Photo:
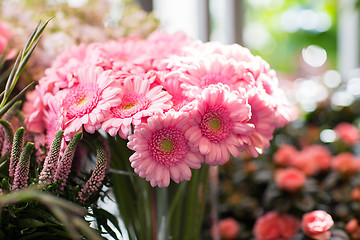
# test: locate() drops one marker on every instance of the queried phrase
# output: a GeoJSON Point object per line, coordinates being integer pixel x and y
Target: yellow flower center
{"type": "Point", "coordinates": [82, 101]}
{"type": "Point", "coordinates": [214, 124]}
{"type": "Point", "coordinates": [127, 107]}
{"type": "Point", "coordinates": [167, 145]}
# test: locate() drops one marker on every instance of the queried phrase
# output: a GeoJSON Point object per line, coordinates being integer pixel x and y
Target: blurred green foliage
{"type": "Point", "coordinates": [283, 49]}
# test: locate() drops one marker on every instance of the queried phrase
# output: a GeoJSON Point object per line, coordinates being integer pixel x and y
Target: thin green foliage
{"type": "Point", "coordinates": [18, 67]}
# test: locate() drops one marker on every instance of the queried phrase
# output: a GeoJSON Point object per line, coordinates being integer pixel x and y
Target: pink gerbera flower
{"type": "Point", "coordinates": [220, 124]}
{"type": "Point", "coordinates": [66, 64]}
{"type": "Point", "coordinates": [172, 85]}
{"type": "Point", "coordinates": [33, 110]}
{"type": "Point", "coordinates": [88, 103]}
{"type": "Point", "coordinates": [212, 70]}
{"type": "Point", "coordinates": [234, 51]}
{"type": "Point", "coordinates": [52, 119]}
{"type": "Point", "coordinates": [162, 149]}
{"type": "Point", "coordinates": [264, 119]}
{"type": "Point", "coordinates": [124, 54]}
{"type": "Point", "coordinates": [138, 101]}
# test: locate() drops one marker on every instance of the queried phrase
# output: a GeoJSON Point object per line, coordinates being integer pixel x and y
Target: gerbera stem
{"type": "Point", "coordinates": [153, 213]}
{"type": "Point", "coordinates": [195, 202]}
{"type": "Point", "coordinates": [124, 188]}
{"type": "Point", "coordinates": [214, 189]}
{"type": "Point", "coordinates": [145, 209]}
{"type": "Point", "coordinates": [191, 202]}
{"type": "Point", "coordinates": [204, 186]}
{"type": "Point", "coordinates": [175, 206]}
{"type": "Point", "coordinates": [162, 208]}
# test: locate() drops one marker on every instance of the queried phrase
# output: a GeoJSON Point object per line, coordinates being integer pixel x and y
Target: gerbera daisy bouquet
{"type": "Point", "coordinates": [167, 107]}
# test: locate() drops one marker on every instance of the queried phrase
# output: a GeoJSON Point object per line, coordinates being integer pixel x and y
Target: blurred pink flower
{"type": "Point", "coordinates": [233, 51]}
{"type": "Point", "coordinates": [63, 69]}
{"type": "Point", "coordinates": [228, 229]}
{"type": "Point", "coordinates": [162, 150]}
{"type": "Point", "coordinates": [289, 179]}
{"type": "Point", "coordinates": [124, 54]}
{"type": "Point", "coordinates": [316, 224]}
{"type": "Point", "coordinates": [161, 45]}
{"type": "Point", "coordinates": [5, 36]}
{"type": "Point", "coordinates": [285, 154]}
{"type": "Point", "coordinates": [348, 133]}
{"type": "Point", "coordinates": [219, 124]}
{"type": "Point", "coordinates": [345, 163]}
{"type": "Point", "coordinates": [353, 228]}
{"type": "Point", "coordinates": [88, 103]}
{"type": "Point", "coordinates": [305, 162]}
{"type": "Point", "coordinates": [264, 119]}
{"type": "Point", "coordinates": [139, 100]}
{"type": "Point", "coordinates": [312, 159]}
{"type": "Point", "coordinates": [275, 226]}
{"type": "Point", "coordinates": [320, 155]}
{"type": "Point", "coordinates": [33, 110]}
{"type": "Point", "coordinates": [355, 194]}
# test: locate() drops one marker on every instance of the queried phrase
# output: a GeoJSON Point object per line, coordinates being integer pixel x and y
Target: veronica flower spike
{"type": "Point", "coordinates": [162, 151]}
{"type": "Point", "coordinates": [219, 124]}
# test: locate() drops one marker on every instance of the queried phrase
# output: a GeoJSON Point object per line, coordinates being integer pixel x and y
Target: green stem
{"type": "Point", "coordinates": [162, 208]}
{"type": "Point", "coordinates": [191, 205]}
{"type": "Point", "coordinates": [123, 185]}
{"type": "Point", "coordinates": [175, 209]}
{"type": "Point", "coordinates": [144, 210]}
{"type": "Point", "coordinates": [204, 187]}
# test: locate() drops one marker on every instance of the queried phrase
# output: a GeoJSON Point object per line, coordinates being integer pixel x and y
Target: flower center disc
{"type": "Point", "coordinates": [131, 104]}
{"type": "Point", "coordinates": [168, 146]}
{"type": "Point", "coordinates": [216, 124]}
{"type": "Point", "coordinates": [81, 100]}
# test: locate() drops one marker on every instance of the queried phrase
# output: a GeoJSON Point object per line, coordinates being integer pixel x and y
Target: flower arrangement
{"type": "Point", "coordinates": [166, 105]}
{"type": "Point", "coordinates": [150, 118]}
{"type": "Point", "coordinates": [177, 106]}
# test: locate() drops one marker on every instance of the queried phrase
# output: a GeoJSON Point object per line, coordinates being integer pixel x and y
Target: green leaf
{"type": "Point", "coordinates": [4, 166]}
{"type": "Point", "coordinates": [12, 101]}
{"type": "Point", "coordinates": [9, 132]}
{"type": "Point", "coordinates": [102, 216]}
{"type": "Point", "coordinates": [32, 223]}
{"type": "Point", "coordinates": [12, 111]}
{"type": "Point", "coordinates": [19, 65]}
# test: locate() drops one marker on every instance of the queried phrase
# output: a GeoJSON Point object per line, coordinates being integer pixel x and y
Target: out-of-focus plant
{"type": "Point", "coordinates": [169, 107]}
{"type": "Point", "coordinates": [278, 31]}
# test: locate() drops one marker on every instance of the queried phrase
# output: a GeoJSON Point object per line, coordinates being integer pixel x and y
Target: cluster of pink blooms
{"type": "Point", "coordinates": [179, 102]}
{"type": "Point", "coordinates": [310, 160]}
{"type": "Point", "coordinates": [313, 159]}
{"type": "Point", "coordinates": [273, 225]}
